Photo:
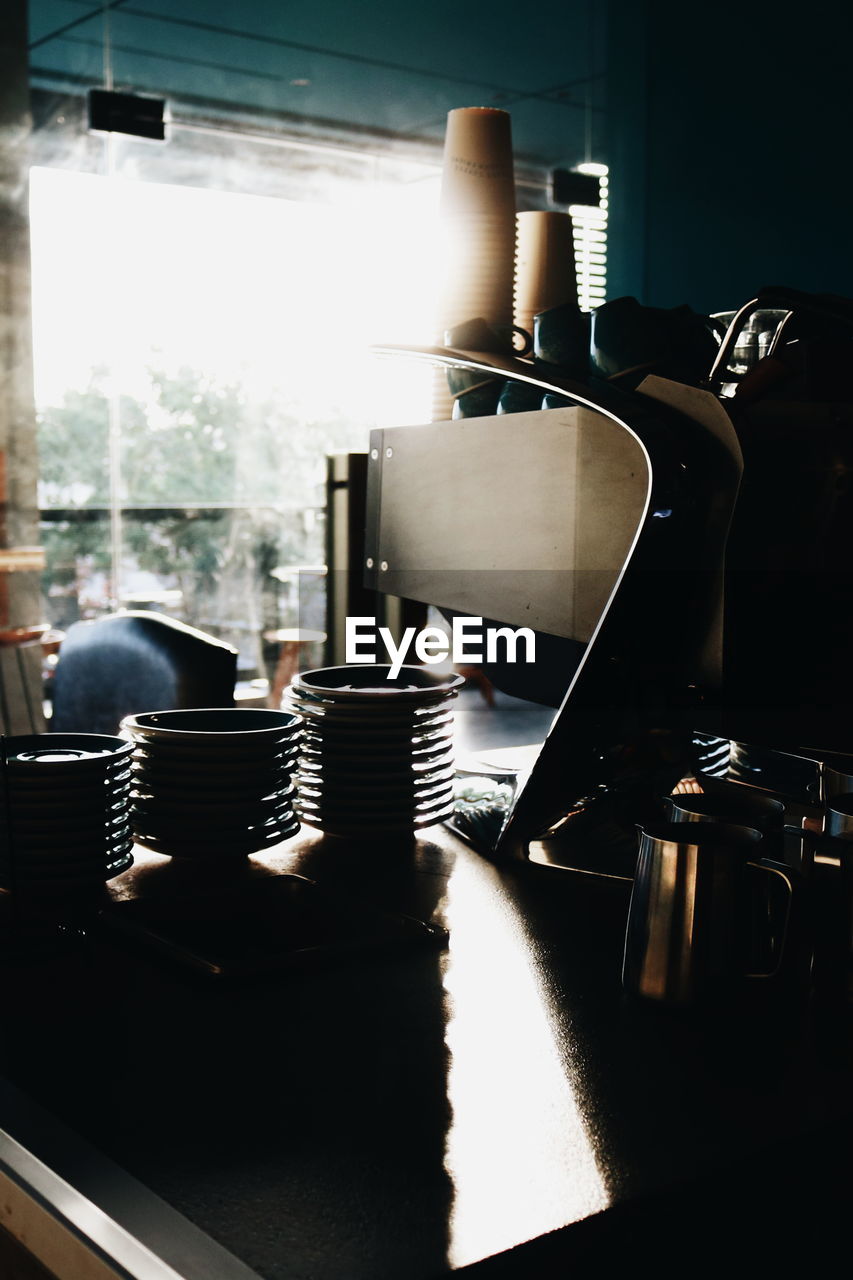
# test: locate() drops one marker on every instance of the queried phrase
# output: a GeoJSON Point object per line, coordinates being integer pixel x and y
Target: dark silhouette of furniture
{"type": "Point", "coordinates": [22, 654]}
{"type": "Point", "coordinates": [137, 661]}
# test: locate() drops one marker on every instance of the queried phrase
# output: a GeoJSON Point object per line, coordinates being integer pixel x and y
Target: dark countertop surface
{"type": "Point", "coordinates": [405, 1113]}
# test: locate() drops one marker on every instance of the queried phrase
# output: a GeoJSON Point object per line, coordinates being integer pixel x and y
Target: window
{"type": "Point", "coordinates": [198, 352]}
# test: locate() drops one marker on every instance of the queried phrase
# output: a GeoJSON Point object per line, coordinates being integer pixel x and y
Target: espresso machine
{"type": "Point", "coordinates": [679, 545]}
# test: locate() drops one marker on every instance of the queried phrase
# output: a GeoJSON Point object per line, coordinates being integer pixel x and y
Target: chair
{"type": "Point", "coordinates": [137, 661]}
{"type": "Point", "coordinates": [21, 694]}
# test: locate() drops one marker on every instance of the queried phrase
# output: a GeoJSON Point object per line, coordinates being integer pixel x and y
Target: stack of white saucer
{"type": "Point", "coordinates": [377, 751]}
{"type": "Point", "coordinates": [213, 783]}
{"type": "Point", "coordinates": [64, 811]}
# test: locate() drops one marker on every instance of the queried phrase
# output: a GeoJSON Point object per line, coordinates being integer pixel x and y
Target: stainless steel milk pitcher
{"type": "Point", "coordinates": [694, 911]}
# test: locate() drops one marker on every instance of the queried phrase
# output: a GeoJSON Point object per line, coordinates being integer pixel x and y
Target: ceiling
{"type": "Point", "coordinates": [385, 66]}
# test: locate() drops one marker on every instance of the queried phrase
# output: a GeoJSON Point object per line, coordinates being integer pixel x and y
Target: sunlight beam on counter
{"type": "Point", "coordinates": [518, 1152]}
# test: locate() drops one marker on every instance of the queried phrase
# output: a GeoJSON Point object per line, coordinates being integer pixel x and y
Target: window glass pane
{"type": "Point", "coordinates": [198, 352]}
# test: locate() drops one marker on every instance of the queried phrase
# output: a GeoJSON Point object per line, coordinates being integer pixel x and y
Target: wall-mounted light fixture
{"type": "Point", "coordinates": [585, 191]}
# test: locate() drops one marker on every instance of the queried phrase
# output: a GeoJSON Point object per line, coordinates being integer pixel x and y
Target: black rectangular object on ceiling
{"type": "Point", "coordinates": [569, 187]}
{"type": "Point", "coordinates": [111, 112]}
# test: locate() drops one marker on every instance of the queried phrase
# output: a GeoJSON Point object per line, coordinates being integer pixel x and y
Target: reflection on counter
{"type": "Point", "coordinates": [518, 1152]}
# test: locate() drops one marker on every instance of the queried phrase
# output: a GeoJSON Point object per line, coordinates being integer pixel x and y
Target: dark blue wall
{"type": "Point", "coordinates": [731, 150]}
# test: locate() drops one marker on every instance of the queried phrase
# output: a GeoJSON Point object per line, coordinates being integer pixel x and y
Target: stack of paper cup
{"type": "Point", "coordinates": [545, 274]}
{"type": "Point", "coordinates": [478, 226]}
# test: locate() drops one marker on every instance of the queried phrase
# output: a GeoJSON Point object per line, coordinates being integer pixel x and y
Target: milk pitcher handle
{"type": "Point", "coordinates": [791, 922]}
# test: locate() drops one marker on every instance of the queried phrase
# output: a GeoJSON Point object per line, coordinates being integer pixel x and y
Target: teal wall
{"type": "Point", "coordinates": [730, 140]}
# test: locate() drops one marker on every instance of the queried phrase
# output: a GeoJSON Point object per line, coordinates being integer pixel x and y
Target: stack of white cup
{"type": "Point", "coordinates": [478, 227]}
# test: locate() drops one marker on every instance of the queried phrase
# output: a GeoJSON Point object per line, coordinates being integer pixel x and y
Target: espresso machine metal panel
{"type": "Point", "coordinates": [527, 517]}
{"type": "Point", "coordinates": [602, 522]}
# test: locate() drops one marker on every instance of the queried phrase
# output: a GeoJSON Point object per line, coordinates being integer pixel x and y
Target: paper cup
{"type": "Point", "coordinates": [544, 265]}
{"type": "Point", "coordinates": [477, 174]}
{"type": "Point", "coordinates": [478, 229]}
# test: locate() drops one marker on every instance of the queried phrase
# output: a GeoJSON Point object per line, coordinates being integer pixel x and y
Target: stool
{"type": "Point", "coordinates": [476, 676]}
{"type": "Point", "coordinates": [22, 653]}
{"type": "Point", "coordinates": [291, 641]}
